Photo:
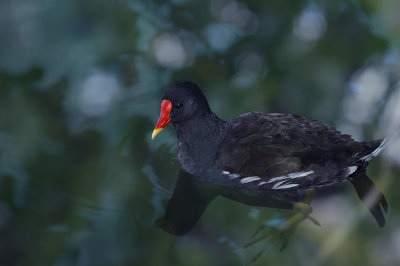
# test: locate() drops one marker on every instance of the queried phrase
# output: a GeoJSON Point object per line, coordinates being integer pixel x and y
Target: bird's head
{"type": "Point", "coordinates": [180, 102]}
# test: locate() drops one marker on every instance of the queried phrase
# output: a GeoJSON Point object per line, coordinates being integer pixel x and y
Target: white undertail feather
{"type": "Point", "coordinates": [351, 169]}
{"type": "Point", "coordinates": [375, 153]}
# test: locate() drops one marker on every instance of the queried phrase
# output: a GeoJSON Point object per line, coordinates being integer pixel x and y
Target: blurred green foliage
{"type": "Point", "coordinates": [81, 182]}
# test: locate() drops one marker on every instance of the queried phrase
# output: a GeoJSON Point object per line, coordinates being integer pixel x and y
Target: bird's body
{"type": "Point", "coordinates": [266, 151]}
{"type": "Point", "coordinates": [279, 151]}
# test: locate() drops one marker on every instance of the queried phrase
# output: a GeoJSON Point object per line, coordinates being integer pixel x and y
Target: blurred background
{"type": "Point", "coordinates": [81, 182]}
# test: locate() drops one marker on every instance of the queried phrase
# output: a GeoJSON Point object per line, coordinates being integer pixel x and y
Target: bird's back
{"type": "Point", "coordinates": [272, 146]}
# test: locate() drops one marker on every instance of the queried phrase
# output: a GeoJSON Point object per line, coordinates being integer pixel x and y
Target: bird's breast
{"type": "Point", "coordinates": [196, 156]}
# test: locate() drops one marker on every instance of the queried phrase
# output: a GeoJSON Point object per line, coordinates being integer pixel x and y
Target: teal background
{"type": "Point", "coordinates": [81, 182]}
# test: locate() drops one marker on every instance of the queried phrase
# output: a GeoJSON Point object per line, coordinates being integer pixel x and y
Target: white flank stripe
{"type": "Point", "coordinates": [276, 186]}
{"type": "Point", "coordinates": [300, 174]}
{"type": "Point", "coordinates": [249, 179]}
{"type": "Point", "coordinates": [287, 186]}
{"type": "Point", "coordinates": [281, 179]}
{"type": "Point", "coordinates": [277, 179]}
{"type": "Point", "coordinates": [291, 176]}
{"type": "Point", "coordinates": [232, 176]}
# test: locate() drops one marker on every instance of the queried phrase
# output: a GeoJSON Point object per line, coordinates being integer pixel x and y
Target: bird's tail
{"type": "Point", "coordinates": [371, 196]}
{"type": "Point", "coordinates": [373, 148]}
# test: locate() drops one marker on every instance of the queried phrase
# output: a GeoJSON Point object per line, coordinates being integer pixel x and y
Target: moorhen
{"type": "Point", "coordinates": [266, 151]}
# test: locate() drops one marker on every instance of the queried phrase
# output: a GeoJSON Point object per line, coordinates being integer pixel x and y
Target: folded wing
{"type": "Point", "coordinates": [279, 151]}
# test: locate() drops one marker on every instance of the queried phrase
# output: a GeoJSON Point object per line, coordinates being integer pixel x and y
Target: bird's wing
{"type": "Point", "coordinates": [279, 151]}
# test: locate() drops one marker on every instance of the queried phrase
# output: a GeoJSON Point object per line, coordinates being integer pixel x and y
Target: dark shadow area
{"type": "Point", "coordinates": [192, 195]}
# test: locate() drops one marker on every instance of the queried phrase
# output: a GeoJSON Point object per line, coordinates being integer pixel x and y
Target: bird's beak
{"type": "Point", "coordinates": [164, 119]}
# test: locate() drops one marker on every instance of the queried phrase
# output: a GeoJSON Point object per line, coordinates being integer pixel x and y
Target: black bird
{"type": "Point", "coordinates": [266, 151]}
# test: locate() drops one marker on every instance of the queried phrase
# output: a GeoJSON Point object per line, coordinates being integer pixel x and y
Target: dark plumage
{"type": "Point", "coordinates": [267, 151]}
{"type": "Point", "coordinates": [192, 195]}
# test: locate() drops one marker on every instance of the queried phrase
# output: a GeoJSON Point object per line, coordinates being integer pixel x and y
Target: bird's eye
{"type": "Point", "coordinates": [178, 105]}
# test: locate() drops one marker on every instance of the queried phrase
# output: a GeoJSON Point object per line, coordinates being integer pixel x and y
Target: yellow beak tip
{"type": "Point", "coordinates": [155, 132]}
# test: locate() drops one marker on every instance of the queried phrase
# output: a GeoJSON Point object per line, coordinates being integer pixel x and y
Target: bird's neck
{"type": "Point", "coordinates": [198, 140]}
